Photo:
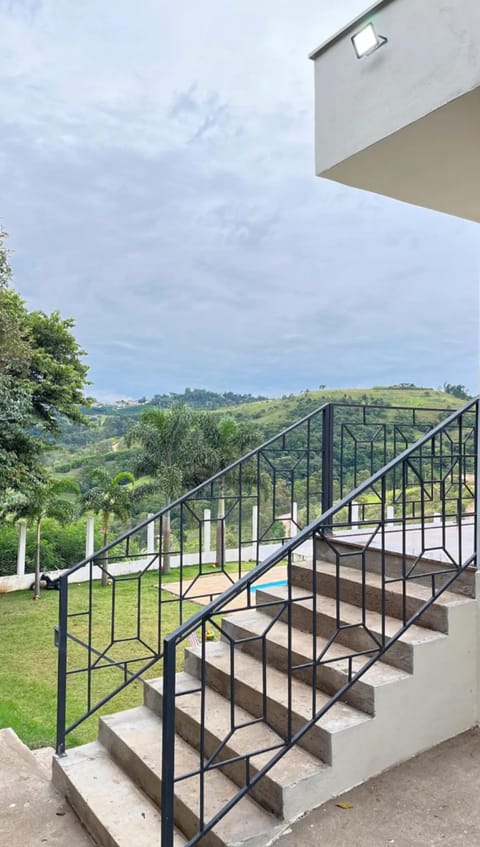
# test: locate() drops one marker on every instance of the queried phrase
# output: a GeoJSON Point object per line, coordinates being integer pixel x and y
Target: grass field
{"type": "Point", "coordinates": [28, 658]}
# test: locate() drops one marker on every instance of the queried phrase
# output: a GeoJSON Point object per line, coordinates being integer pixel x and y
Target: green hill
{"type": "Point", "coordinates": [81, 448]}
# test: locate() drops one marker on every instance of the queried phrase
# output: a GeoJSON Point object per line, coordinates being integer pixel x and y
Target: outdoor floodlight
{"type": "Point", "coordinates": [366, 41]}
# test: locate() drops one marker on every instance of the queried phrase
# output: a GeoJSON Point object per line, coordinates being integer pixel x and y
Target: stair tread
{"type": "Point", "coordinates": [141, 730]}
{"type": "Point", "coordinates": [414, 588]}
{"type": "Point", "coordinates": [349, 614]}
{"type": "Point", "coordinates": [299, 764]}
{"type": "Point", "coordinates": [248, 670]}
{"type": "Point", "coordinates": [125, 811]}
{"type": "Point", "coordinates": [256, 623]}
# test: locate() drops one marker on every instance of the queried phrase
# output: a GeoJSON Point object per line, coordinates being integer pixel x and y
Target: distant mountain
{"type": "Point", "coordinates": [197, 398]}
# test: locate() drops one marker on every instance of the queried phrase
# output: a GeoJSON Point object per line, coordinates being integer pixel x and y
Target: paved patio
{"type": "Point", "coordinates": [32, 813]}
{"type": "Point", "coordinates": [430, 801]}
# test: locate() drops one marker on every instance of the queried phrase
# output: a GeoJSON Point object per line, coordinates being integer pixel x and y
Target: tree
{"type": "Point", "coordinates": [112, 496]}
{"type": "Point", "coordinates": [225, 440]}
{"type": "Point", "coordinates": [456, 391]}
{"type": "Point", "coordinates": [53, 499]}
{"type": "Point", "coordinates": [168, 449]}
{"type": "Point", "coordinates": [42, 377]}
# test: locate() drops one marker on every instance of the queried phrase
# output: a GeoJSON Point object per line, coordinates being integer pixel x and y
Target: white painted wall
{"type": "Point", "coordinates": [432, 57]}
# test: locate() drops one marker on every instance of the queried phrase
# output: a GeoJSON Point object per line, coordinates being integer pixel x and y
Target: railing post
{"type": "Point", "coordinates": [327, 458]}
{"type": "Point", "coordinates": [61, 638]}
{"type": "Point", "coordinates": [168, 744]}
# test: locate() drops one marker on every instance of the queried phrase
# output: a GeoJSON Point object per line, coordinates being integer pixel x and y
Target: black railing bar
{"type": "Point", "coordinates": [346, 657]}
{"type": "Point", "coordinates": [300, 733]}
{"type": "Point", "coordinates": [196, 490]}
{"type": "Point", "coordinates": [112, 694]}
{"type": "Point", "coordinates": [309, 531]}
{"type": "Point", "coordinates": [266, 603]}
{"type": "Point", "coordinates": [367, 406]}
{"type": "Point", "coordinates": [189, 691]}
{"type": "Point", "coordinates": [85, 644]}
{"type": "Point", "coordinates": [368, 524]}
{"type": "Point", "coordinates": [211, 766]}
{"type": "Point", "coordinates": [218, 749]}
{"type": "Point", "coordinates": [121, 663]}
{"type": "Point", "coordinates": [255, 452]}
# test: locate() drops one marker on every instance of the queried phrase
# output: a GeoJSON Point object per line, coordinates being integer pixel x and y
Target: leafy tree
{"type": "Point", "coordinates": [112, 496]}
{"type": "Point", "coordinates": [456, 391]}
{"type": "Point", "coordinates": [53, 499]}
{"type": "Point", "coordinates": [42, 377]}
{"type": "Point", "coordinates": [169, 447]}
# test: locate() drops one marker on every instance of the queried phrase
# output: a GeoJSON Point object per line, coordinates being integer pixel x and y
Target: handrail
{"type": "Point", "coordinates": [257, 450]}
{"type": "Point", "coordinates": [448, 452]}
{"type": "Point", "coordinates": [304, 534]}
{"type": "Point", "coordinates": [299, 471]}
{"type": "Point", "coordinates": [197, 489]}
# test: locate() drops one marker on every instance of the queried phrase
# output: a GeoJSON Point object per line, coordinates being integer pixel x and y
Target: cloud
{"type": "Point", "coordinates": [157, 182]}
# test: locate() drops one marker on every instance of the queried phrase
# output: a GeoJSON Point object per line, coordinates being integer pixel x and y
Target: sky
{"type": "Point", "coordinates": [157, 183]}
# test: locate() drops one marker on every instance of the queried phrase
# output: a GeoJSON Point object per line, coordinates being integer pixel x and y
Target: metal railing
{"type": "Point", "coordinates": [195, 548]}
{"type": "Point", "coordinates": [430, 542]}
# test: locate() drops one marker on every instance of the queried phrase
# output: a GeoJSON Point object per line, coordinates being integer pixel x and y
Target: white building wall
{"type": "Point", "coordinates": [432, 57]}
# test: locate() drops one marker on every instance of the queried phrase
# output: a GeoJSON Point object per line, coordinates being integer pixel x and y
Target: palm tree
{"type": "Point", "coordinates": [169, 447]}
{"type": "Point", "coordinates": [112, 496]}
{"type": "Point", "coordinates": [225, 440]}
{"type": "Point", "coordinates": [52, 499]}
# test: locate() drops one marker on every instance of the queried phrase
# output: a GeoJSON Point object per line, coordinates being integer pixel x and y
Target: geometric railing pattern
{"type": "Point", "coordinates": [429, 541]}
{"type": "Point", "coordinates": [226, 526]}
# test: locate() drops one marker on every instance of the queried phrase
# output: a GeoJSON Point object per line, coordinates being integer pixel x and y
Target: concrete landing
{"type": "Point", "coordinates": [432, 800]}
{"type": "Point", "coordinates": [32, 813]}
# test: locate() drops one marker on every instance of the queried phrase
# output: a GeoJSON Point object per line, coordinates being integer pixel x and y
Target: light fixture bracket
{"type": "Point", "coordinates": [376, 40]}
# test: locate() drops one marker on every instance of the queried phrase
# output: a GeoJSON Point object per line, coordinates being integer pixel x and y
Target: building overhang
{"type": "Point", "coordinates": [405, 121]}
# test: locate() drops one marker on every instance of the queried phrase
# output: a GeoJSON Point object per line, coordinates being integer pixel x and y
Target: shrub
{"type": "Point", "coordinates": [60, 546]}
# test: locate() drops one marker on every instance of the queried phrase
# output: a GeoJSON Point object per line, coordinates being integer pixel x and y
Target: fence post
{"type": "Point", "coordinates": [327, 458]}
{"type": "Point", "coordinates": [294, 521]}
{"type": "Point", "coordinates": [207, 531]}
{"type": "Point", "coordinates": [151, 537]}
{"type": "Point", "coordinates": [90, 537]}
{"type": "Point", "coordinates": [22, 546]}
{"type": "Point", "coordinates": [355, 516]}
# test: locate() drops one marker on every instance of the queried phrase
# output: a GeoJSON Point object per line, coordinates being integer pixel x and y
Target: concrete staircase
{"type": "Point", "coordinates": [420, 694]}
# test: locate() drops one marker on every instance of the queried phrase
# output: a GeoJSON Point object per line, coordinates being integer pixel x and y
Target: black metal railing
{"type": "Point", "coordinates": [195, 548]}
{"type": "Point", "coordinates": [430, 541]}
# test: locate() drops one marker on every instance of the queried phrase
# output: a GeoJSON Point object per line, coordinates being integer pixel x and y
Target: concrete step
{"type": "Point", "coordinates": [352, 584]}
{"type": "Point", "coordinates": [308, 611]}
{"type": "Point", "coordinates": [112, 808]}
{"type": "Point", "coordinates": [258, 632]}
{"type": "Point", "coordinates": [134, 740]}
{"type": "Point", "coordinates": [268, 695]}
{"type": "Point", "coordinates": [287, 790]}
{"type": "Point", "coordinates": [352, 553]}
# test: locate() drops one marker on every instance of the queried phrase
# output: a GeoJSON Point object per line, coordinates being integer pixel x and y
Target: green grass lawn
{"type": "Point", "coordinates": [28, 658]}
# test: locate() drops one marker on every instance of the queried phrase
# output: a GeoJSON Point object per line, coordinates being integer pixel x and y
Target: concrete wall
{"type": "Point", "coordinates": [405, 121]}
{"type": "Point", "coordinates": [21, 583]}
{"type": "Point", "coordinates": [432, 57]}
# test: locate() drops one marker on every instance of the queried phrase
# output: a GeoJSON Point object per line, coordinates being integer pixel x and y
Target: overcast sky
{"type": "Point", "coordinates": [157, 182]}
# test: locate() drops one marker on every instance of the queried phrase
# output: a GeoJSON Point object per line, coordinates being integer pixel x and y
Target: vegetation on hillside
{"type": "Point", "coordinates": [42, 381]}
